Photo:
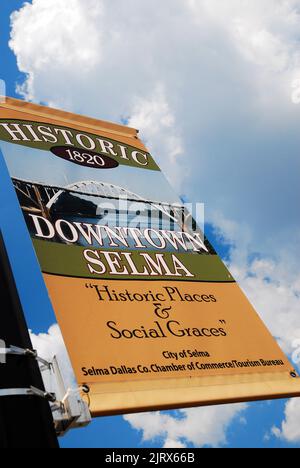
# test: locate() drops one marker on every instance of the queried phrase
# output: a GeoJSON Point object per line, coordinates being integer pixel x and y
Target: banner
{"type": "Point", "coordinates": [150, 315]}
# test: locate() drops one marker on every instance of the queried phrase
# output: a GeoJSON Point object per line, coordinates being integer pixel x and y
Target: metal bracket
{"type": "Point", "coordinates": [68, 409]}
{"type": "Point", "coordinates": [15, 351]}
{"type": "Point", "coordinates": [32, 391]}
{"type": "Point", "coordinates": [71, 412]}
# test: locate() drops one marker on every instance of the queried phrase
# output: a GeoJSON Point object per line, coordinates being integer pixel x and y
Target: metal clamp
{"type": "Point", "coordinates": [32, 391]}
{"type": "Point", "coordinates": [68, 409]}
{"type": "Point", "coordinates": [15, 351]}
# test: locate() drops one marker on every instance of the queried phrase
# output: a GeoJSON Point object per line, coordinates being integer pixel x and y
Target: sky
{"type": "Point", "coordinates": [214, 88]}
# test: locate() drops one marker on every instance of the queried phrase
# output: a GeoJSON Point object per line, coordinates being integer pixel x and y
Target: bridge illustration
{"type": "Point", "coordinates": [94, 199]}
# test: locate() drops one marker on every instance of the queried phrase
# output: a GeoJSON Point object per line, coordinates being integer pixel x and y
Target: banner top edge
{"type": "Point", "coordinates": [68, 117]}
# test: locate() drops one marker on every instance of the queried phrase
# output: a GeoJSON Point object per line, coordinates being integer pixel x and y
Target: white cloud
{"type": "Point", "coordinates": [263, 32]}
{"type": "Point", "coordinates": [272, 283]}
{"type": "Point", "coordinates": [275, 298]}
{"type": "Point", "coordinates": [62, 36]}
{"type": "Point", "coordinates": [169, 443]}
{"type": "Point", "coordinates": [197, 426]}
{"type": "Point", "coordinates": [273, 287]}
{"type": "Point", "coordinates": [156, 122]}
{"type": "Point", "coordinates": [290, 428]}
{"type": "Point", "coordinates": [51, 344]}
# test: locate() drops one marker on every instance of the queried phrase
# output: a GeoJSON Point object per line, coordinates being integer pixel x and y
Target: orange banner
{"type": "Point", "coordinates": [150, 315]}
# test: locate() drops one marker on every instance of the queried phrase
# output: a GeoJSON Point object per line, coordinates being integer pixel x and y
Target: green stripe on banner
{"type": "Point", "coordinates": [71, 260]}
{"type": "Point", "coordinates": [54, 139]}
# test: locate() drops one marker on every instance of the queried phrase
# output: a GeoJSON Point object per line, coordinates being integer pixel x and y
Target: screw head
{"type": "Point", "coordinates": [85, 389]}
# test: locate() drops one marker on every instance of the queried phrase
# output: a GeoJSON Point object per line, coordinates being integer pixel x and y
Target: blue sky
{"type": "Point", "coordinates": [228, 136]}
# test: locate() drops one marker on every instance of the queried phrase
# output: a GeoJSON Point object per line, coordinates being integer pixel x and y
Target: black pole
{"type": "Point", "coordinates": [25, 421]}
